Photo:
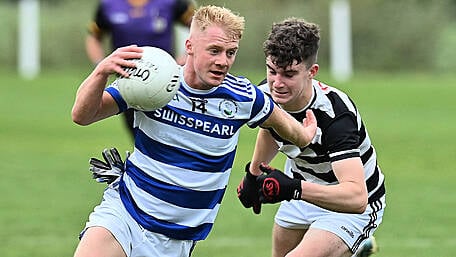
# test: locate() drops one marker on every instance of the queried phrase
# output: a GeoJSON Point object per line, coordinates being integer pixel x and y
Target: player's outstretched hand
{"type": "Point", "coordinates": [120, 58]}
{"type": "Point", "coordinates": [275, 186]}
{"type": "Point", "coordinates": [310, 125]}
{"type": "Point", "coordinates": [247, 191]}
{"type": "Point", "coordinates": [108, 170]}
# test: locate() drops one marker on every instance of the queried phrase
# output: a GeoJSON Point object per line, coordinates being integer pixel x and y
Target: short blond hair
{"type": "Point", "coordinates": [206, 16]}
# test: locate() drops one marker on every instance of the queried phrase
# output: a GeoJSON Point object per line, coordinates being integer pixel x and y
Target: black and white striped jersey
{"type": "Point", "coordinates": [341, 134]}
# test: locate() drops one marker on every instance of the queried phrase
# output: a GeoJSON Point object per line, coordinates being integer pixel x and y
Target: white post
{"type": "Point", "coordinates": [180, 35]}
{"type": "Point", "coordinates": [340, 40]}
{"type": "Point", "coordinates": [29, 41]}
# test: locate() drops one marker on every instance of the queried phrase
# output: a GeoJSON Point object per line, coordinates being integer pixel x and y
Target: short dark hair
{"type": "Point", "coordinates": [293, 39]}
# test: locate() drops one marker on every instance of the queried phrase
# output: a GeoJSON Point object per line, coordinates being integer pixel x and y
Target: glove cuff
{"type": "Point", "coordinates": [249, 175]}
{"type": "Point", "coordinates": [297, 189]}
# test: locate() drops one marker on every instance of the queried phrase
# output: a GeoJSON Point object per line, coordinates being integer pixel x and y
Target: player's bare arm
{"type": "Point", "coordinates": [92, 103]}
{"type": "Point", "coordinates": [265, 150]}
{"type": "Point", "coordinates": [94, 48]}
{"type": "Point", "coordinates": [349, 195]}
{"type": "Point", "coordinates": [300, 134]}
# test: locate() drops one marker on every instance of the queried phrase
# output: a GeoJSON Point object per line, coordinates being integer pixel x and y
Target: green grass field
{"type": "Point", "coordinates": [46, 191]}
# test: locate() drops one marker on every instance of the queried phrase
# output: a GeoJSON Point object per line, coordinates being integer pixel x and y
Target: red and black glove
{"type": "Point", "coordinates": [275, 186]}
{"type": "Point", "coordinates": [248, 189]}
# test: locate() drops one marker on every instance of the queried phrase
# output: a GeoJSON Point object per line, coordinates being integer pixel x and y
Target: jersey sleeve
{"type": "Point", "coordinates": [113, 90]}
{"type": "Point", "coordinates": [342, 137]}
{"type": "Point", "coordinates": [262, 108]}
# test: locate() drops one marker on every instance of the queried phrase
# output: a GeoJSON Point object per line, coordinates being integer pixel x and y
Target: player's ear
{"type": "Point", "coordinates": [313, 70]}
{"type": "Point", "coordinates": [188, 47]}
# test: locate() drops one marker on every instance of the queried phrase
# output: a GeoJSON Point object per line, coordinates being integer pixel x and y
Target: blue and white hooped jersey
{"type": "Point", "coordinates": [178, 172]}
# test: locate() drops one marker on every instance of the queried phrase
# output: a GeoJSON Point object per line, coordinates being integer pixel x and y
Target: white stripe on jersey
{"type": "Point", "coordinates": [239, 85]}
{"type": "Point", "coordinates": [343, 152]}
{"type": "Point", "coordinates": [202, 181]}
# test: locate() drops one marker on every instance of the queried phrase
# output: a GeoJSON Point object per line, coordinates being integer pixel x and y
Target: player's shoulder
{"type": "Point", "coordinates": [233, 80]}
{"type": "Point", "coordinates": [326, 88]}
{"type": "Point", "coordinates": [264, 86]}
{"type": "Point", "coordinates": [331, 99]}
{"type": "Point", "coordinates": [240, 86]}
{"type": "Point", "coordinates": [322, 88]}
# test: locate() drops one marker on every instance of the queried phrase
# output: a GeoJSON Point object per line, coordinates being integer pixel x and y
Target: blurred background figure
{"type": "Point", "coordinates": [140, 22]}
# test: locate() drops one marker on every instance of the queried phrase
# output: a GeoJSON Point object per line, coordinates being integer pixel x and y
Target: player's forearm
{"type": "Point", "coordinates": [300, 134]}
{"type": "Point", "coordinates": [265, 150]}
{"type": "Point", "coordinates": [94, 49]}
{"type": "Point", "coordinates": [347, 197]}
{"type": "Point", "coordinates": [88, 101]}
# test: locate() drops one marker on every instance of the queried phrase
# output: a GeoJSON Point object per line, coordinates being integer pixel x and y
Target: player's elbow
{"type": "Point", "coordinates": [79, 119]}
{"type": "Point", "coordinates": [359, 204]}
{"type": "Point", "coordinates": [361, 208]}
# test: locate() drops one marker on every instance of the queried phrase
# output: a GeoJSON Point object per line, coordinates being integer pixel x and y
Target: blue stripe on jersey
{"type": "Point", "coordinates": [175, 195]}
{"type": "Point", "coordinates": [169, 229]}
{"type": "Point", "coordinates": [182, 158]}
{"type": "Point", "coordinates": [225, 91]}
{"type": "Point", "coordinates": [238, 83]}
{"type": "Point", "coordinates": [197, 122]}
{"type": "Point", "coordinates": [118, 98]}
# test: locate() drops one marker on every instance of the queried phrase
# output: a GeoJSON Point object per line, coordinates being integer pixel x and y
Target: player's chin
{"type": "Point", "coordinates": [280, 98]}
{"type": "Point", "coordinates": [216, 78]}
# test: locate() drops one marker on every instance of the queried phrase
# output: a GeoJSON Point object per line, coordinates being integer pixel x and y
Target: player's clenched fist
{"type": "Point", "coordinates": [248, 189]}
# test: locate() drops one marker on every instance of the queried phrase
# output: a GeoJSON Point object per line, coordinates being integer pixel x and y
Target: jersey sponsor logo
{"type": "Point", "coordinates": [169, 116]}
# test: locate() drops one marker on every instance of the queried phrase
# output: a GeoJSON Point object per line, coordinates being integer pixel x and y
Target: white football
{"type": "Point", "coordinates": [153, 82]}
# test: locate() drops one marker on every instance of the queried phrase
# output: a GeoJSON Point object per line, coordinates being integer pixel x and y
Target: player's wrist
{"type": "Point", "coordinates": [295, 189]}
{"type": "Point", "coordinates": [252, 170]}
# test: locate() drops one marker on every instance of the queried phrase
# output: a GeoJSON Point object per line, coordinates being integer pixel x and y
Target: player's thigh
{"type": "Point", "coordinates": [320, 243]}
{"type": "Point", "coordinates": [284, 240]}
{"type": "Point", "coordinates": [99, 242]}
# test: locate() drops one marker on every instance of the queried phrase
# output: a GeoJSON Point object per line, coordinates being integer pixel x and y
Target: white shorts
{"type": "Point", "coordinates": [353, 229]}
{"type": "Point", "coordinates": [134, 239]}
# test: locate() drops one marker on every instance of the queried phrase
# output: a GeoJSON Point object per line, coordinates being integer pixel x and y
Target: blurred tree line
{"type": "Point", "coordinates": [388, 35]}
